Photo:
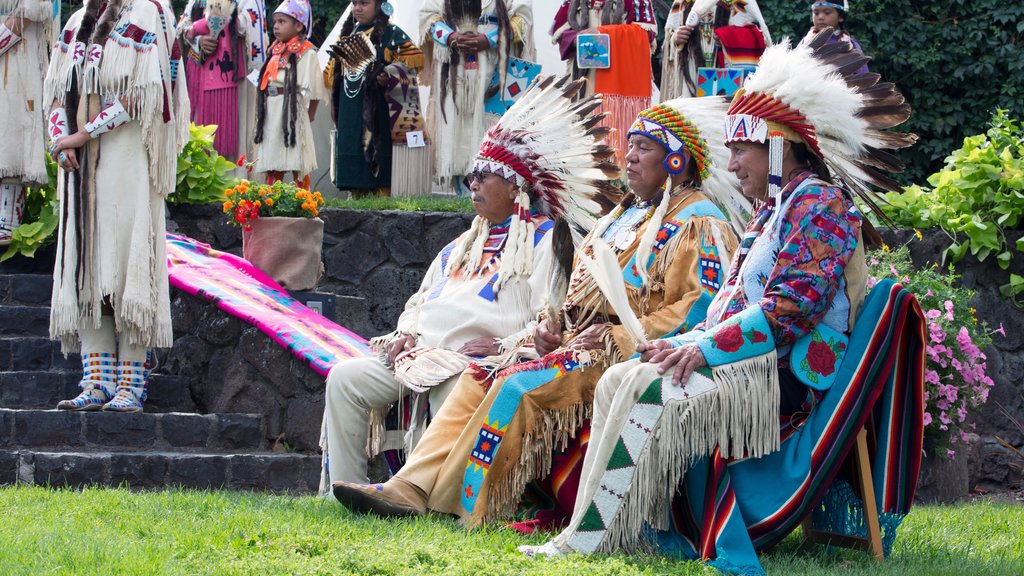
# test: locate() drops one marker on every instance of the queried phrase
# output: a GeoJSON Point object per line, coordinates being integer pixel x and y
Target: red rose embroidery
{"type": "Point", "coordinates": [758, 337]}
{"type": "Point", "coordinates": [729, 339]}
{"type": "Point", "coordinates": [821, 359]}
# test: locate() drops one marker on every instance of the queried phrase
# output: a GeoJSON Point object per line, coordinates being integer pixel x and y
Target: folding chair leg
{"type": "Point", "coordinates": [867, 487]}
{"type": "Point", "coordinates": [873, 542]}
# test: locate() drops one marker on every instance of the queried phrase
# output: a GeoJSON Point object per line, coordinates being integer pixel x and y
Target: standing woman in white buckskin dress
{"type": "Point", "coordinates": [25, 29]}
{"type": "Point", "coordinates": [121, 118]}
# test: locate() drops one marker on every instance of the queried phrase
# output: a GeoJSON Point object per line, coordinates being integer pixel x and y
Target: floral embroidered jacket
{"type": "Point", "coordinates": [813, 273]}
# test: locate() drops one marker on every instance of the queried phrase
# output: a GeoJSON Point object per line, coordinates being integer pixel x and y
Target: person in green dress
{"type": "Point", "coordinates": [360, 76]}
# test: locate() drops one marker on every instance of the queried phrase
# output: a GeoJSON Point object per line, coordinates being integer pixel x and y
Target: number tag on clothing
{"type": "Point", "coordinates": [254, 77]}
{"type": "Point", "coordinates": [414, 139]}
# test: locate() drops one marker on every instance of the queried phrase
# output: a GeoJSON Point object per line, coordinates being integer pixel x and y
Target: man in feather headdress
{"type": "Point", "coordinates": [718, 442]}
{"type": "Point", "coordinates": [118, 119]}
{"type": "Point", "coordinates": [25, 30]}
{"type": "Point", "coordinates": [465, 43]}
{"type": "Point", "coordinates": [508, 425]}
{"type": "Point", "coordinates": [484, 291]}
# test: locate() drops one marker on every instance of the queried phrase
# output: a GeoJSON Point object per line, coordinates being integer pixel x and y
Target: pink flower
{"type": "Point", "coordinates": [927, 418]}
{"type": "Point", "coordinates": [929, 293]}
{"type": "Point", "coordinates": [949, 309]}
{"type": "Point", "coordinates": [874, 261]}
{"type": "Point", "coordinates": [932, 315]}
{"type": "Point", "coordinates": [950, 453]}
{"type": "Point", "coordinates": [1001, 331]}
{"type": "Point", "coordinates": [893, 269]}
{"type": "Point", "coordinates": [931, 376]}
{"type": "Point", "coordinates": [963, 436]}
{"type": "Point", "coordinates": [944, 418]}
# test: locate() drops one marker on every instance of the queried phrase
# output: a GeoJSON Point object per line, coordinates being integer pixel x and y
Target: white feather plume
{"type": "Point", "coordinates": [604, 269]}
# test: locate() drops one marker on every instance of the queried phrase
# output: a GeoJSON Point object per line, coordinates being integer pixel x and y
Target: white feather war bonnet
{"type": "Point", "coordinates": [551, 146]}
{"type": "Point", "coordinates": [812, 94]}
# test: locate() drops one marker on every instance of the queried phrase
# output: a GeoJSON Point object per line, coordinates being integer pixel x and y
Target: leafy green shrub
{"type": "Point", "coordinates": [978, 195]}
{"type": "Point", "coordinates": [955, 60]}
{"type": "Point", "coordinates": [203, 174]}
{"type": "Point", "coordinates": [39, 226]}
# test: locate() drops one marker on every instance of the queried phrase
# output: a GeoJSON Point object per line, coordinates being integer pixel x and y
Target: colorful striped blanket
{"type": "Point", "coordinates": [242, 290]}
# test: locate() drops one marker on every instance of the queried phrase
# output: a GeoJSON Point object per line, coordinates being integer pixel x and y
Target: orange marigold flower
{"type": "Point", "coordinates": [228, 205]}
{"type": "Point", "coordinates": [229, 192]}
{"type": "Point", "coordinates": [270, 201]}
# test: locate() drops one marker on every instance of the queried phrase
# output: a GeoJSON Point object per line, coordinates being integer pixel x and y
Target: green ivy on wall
{"type": "Point", "coordinates": [956, 61]}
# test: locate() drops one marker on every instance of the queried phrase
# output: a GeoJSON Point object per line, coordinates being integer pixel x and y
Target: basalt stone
{"type": "Point", "coordinates": [354, 256]}
{"type": "Point", "coordinates": [186, 430]}
{"type": "Point", "coordinates": [208, 389]}
{"type": "Point", "coordinates": [47, 428]}
{"type": "Point", "coordinates": [188, 356]}
{"type": "Point", "coordinates": [29, 354]}
{"type": "Point", "coordinates": [238, 431]}
{"type": "Point", "coordinates": [136, 429]}
{"type": "Point", "coordinates": [1007, 370]}
{"type": "Point", "coordinates": [442, 228]}
{"type": "Point", "coordinates": [9, 460]}
{"type": "Point", "coordinates": [387, 288]}
{"type": "Point", "coordinates": [269, 359]}
{"type": "Point", "coordinates": [218, 328]}
{"type": "Point", "coordinates": [302, 423]}
{"type": "Point", "coordinates": [32, 389]}
{"type": "Point", "coordinates": [338, 221]}
{"type": "Point", "coordinates": [138, 470]}
{"type": "Point", "coordinates": [24, 321]}
{"type": "Point", "coordinates": [353, 313]}
{"type": "Point", "coordinates": [185, 311]}
{"type": "Point", "coordinates": [403, 236]}
{"type": "Point", "coordinates": [996, 464]}
{"type": "Point", "coordinates": [33, 289]}
{"type": "Point", "coordinates": [6, 344]}
{"type": "Point", "coordinates": [198, 471]}
{"type": "Point", "coordinates": [169, 394]}
{"type": "Point", "coordinates": [307, 380]}
{"type": "Point", "coordinates": [60, 361]}
{"type": "Point", "coordinates": [70, 469]}
{"type": "Point", "coordinates": [227, 238]}
{"type": "Point", "coordinates": [238, 387]}
{"type": "Point", "coordinates": [6, 427]}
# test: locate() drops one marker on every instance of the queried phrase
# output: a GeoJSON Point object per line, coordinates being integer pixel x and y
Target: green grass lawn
{"type": "Point", "coordinates": [409, 204]}
{"type": "Point", "coordinates": [99, 531]}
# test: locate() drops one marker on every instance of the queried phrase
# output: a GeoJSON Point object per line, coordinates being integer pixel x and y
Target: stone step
{"type": "Point", "coordinates": [18, 320]}
{"type": "Point", "coordinates": [30, 353]}
{"type": "Point", "coordinates": [294, 473]}
{"type": "Point", "coordinates": [31, 289]}
{"type": "Point", "coordinates": [44, 389]}
{"type": "Point", "coordinates": [64, 430]}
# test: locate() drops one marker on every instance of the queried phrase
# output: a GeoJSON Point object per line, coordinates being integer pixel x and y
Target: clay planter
{"type": "Point", "coordinates": [287, 249]}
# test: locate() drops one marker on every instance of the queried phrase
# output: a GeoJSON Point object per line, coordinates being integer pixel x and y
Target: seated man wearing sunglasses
{"type": "Point", "coordinates": [482, 293]}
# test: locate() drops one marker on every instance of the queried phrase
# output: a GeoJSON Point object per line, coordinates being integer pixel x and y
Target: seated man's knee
{"type": "Point", "coordinates": [612, 379]}
{"type": "Point", "coordinates": [347, 378]}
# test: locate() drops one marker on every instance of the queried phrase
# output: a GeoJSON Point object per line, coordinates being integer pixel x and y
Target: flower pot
{"type": "Point", "coordinates": [287, 249]}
